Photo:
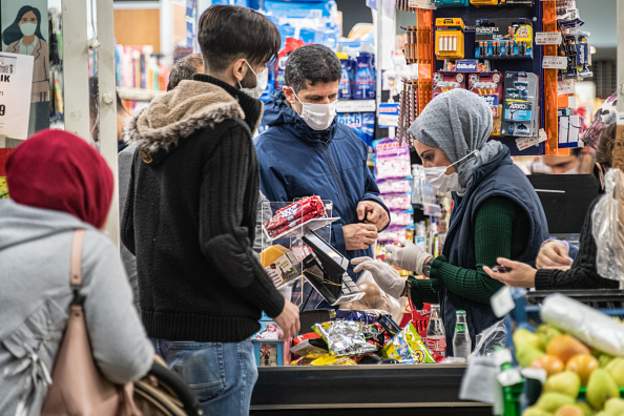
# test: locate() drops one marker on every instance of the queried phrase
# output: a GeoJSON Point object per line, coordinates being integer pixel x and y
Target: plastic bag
{"type": "Point", "coordinates": [375, 298]}
{"type": "Point", "coordinates": [490, 340]}
{"type": "Point", "coordinates": [587, 324]}
{"type": "Point", "coordinates": [608, 227]}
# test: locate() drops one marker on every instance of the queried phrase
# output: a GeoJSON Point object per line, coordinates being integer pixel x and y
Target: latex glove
{"type": "Point", "coordinates": [385, 275]}
{"type": "Point", "coordinates": [410, 257]}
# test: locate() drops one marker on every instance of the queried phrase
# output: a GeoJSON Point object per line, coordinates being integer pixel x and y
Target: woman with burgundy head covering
{"type": "Point", "coordinates": [59, 184]}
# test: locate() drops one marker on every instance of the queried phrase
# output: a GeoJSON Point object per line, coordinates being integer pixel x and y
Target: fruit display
{"type": "Point", "coordinates": [580, 381]}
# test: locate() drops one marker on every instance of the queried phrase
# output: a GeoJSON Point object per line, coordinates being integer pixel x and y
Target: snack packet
{"type": "Point", "coordinates": [328, 359]}
{"type": "Point", "coordinates": [407, 347]}
{"type": "Point", "coordinates": [345, 337]}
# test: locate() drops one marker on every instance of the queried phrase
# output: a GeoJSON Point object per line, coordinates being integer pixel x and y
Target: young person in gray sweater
{"type": "Point", "coordinates": [60, 184]}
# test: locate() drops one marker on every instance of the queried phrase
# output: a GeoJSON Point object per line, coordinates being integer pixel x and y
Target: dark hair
{"type": "Point", "coordinates": [606, 143]}
{"type": "Point", "coordinates": [311, 64]}
{"type": "Point", "coordinates": [183, 69]}
{"type": "Point", "coordinates": [226, 33]}
{"type": "Point", "coordinates": [13, 32]}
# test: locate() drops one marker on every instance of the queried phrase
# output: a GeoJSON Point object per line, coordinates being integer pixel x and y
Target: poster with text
{"type": "Point", "coordinates": [15, 85]}
{"type": "Point", "coordinates": [24, 27]}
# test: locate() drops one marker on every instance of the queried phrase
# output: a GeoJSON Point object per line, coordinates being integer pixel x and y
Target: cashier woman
{"type": "Point", "coordinates": [497, 214]}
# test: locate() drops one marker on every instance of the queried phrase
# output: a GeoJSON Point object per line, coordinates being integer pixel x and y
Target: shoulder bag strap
{"type": "Point", "coordinates": [75, 276]}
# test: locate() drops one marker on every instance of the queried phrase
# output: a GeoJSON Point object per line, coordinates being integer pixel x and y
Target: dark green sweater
{"type": "Point", "coordinates": [501, 230]}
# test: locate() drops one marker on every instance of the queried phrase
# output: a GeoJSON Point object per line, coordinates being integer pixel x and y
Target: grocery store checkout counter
{"type": "Point", "coordinates": [381, 390]}
{"type": "Point", "coordinates": [365, 389]}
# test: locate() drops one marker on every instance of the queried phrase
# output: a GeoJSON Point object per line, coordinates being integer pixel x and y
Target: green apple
{"type": "Point", "coordinates": [568, 383]}
{"type": "Point", "coordinates": [550, 402]}
{"type": "Point", "coordinates": [601, 388]}
{"type": "Point", "coordinates": [604, 360]}
{"type": "Point", "coordinates": [522, 337]}
{"type": "Point", "coordinates": [615, 406]}
{"type": "Point", "coordinates": [527, 355]}
{"type": "Point", "coordinates": [586, 408]}
{"type": "Point", "coordinates": [546, 332]}
{"type": "Point", "coordinates": [616, 369]}
{"type": "Point", "coordinates": [534, 411]}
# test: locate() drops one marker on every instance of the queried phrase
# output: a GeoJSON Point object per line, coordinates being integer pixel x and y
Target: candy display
{"type": "Point", "coordinates": [294, 215]}
{"type": "Point", "coordinates": [503, 39]}
{"type": "Point", "coordinates": [393, 171]}
{"type": "Point", "coordinates": [407, 347]}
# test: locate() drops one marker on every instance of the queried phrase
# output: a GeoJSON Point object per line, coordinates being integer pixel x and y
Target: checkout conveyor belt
{"type": "Point", "coordinates": [381, 390]}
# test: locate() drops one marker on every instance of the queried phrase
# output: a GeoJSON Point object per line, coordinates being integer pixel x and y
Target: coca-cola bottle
{"type": "Point", "coordinates": [436, 337]}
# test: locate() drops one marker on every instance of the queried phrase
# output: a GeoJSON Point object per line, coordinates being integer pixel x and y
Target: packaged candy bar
{"type": "Point", "coordinates": [295, 214]}
{"type": "Point", "coordinates": [407, 347]}
{"type": "Point", "coordinates": [344, 337]}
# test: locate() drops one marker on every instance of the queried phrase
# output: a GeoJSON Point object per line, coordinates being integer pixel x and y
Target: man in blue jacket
{"type": "Point", "coordinates": [305, 151]}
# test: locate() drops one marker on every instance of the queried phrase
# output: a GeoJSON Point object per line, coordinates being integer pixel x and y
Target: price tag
{"type": "Point", "coordinates": [548, 38]}
{"type": "Point", "coordinates": [566, 87]}
{"type": "Point", "coordinates": [16, 74]}
{"type": "Point", "coordinates": [524, 143]}
{"type": "Point", "coordinates": [555, 62]}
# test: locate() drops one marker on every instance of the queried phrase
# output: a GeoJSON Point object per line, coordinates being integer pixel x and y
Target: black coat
{"type": "Point", "coordinates": [191, 214]}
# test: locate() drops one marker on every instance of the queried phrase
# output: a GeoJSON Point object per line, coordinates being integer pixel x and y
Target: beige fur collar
{"type": "Point", "coordinates": [191, 106]}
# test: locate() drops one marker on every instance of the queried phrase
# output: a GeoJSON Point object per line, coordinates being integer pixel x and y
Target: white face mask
{"type": "Point", "coordinates": [262, 81]}
{"type": "Point", "coordinates": [443, 182]}
{"type": "Point", "coordinates": [28, 29]}
{"type": "Point", "coordinates": [318, 116]}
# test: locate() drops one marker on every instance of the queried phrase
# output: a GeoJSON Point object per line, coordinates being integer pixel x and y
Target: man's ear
{"type": "Point", "coordinates": [289, 94]}
{"type": "Point", "coordinates": [239, 69]}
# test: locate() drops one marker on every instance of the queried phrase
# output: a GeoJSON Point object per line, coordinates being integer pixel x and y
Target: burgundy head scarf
{"type": "Point", "coordinates": [58, 170]}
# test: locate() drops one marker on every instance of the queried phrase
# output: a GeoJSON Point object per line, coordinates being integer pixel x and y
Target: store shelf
{"type": "Point", "coordinates": [356, 106]}
{"type": "Point", "coordinates": [137, 94]}
{"type": "Point", "coordinates": [363, 390]}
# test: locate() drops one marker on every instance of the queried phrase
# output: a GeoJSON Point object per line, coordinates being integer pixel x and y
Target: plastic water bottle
{"type": "Point", "coordinates": [436, 336]}
{"type": "Point", "coordinates": [462, 345]}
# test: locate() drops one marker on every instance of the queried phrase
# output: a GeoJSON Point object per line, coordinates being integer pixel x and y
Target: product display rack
{"type": "Point", "coordinates": [533, 13]}
{"type": "Point", "coordinates": [363, 390]}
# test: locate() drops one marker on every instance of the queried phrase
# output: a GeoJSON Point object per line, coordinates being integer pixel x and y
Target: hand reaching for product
{"type": "Point", "coordinates": [386, 277]}
{"type": "Point", "coordinates": [288, 320]}
{"type": "Point", "coordinates": [410, 257]}
{"type": "Point", "coordinates": [371, 212]}
{"type": "Point", "coordinates": [554, 254]}
{"type": "Point", "coordinates": [359, 236]}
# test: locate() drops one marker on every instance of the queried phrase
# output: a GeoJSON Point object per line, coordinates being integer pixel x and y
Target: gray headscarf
{"type": "Point", "coordinates": [459, 122]}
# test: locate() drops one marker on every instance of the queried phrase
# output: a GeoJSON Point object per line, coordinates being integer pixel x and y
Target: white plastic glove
{"type": "Point", "coordinates": [410, 257]}
{"type": "Point", "coordinates": [385, 275]}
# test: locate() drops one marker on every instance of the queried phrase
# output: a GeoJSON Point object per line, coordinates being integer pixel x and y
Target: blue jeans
{"type": "Point", "coordinates": [222, 375]}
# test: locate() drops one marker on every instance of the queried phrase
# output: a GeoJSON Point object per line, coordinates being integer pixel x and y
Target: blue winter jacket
{"type": "Point", "coordinates": [297, 161]}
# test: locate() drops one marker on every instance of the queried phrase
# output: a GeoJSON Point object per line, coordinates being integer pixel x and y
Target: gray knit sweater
{"type": "Point", "coordinates": [35, 250]}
